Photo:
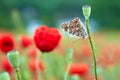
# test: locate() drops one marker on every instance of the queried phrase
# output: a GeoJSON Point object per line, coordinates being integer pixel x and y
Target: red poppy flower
{"type": "Point", "coordinates": [6, 42]}
{"type": "Point", "coordinates": [32, 52]}
{"type": "Point", "coordinates": [46, 39]}
{"type": "Point", "coordinates": [80, 69]}
{"type": "Point", "coordinates": [5, 65]}
{"type": "Point", "coordinates": [25, 41]}
{"type": "Point", "coordinates": [32, 64]}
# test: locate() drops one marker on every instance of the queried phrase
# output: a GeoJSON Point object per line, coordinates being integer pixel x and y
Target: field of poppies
{"type": "Point", "coordinates": [46, 54]}
{"type": "Point", "coordinates": [59, 40]}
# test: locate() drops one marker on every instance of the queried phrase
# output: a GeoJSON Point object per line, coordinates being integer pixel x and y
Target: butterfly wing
{"type": "Point", "coordinates": [75, 27]}
{"type": "Point", "coordinates": [81, 32]}
{"type": "Point", "coordinates": [65, 26]}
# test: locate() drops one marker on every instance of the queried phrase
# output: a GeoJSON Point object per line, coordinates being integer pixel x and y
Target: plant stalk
{"type": "Point", "coordinates": [44, 71]}
{"type": "Point", "coordinates": [67, 71]}
{"type": "Point", "coordinates": [92, 47]}
{"type": "Point", "coordinates": [37, 66]}
{"type": "Point", "coordinates": [69, 61]}
{"type": "Point", "coordinates": [18, 73]}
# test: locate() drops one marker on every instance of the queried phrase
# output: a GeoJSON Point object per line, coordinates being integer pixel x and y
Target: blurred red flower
{"type": "Point", "coordinates": [6, 42]}
{"type": "Point", "coordinates": [86, 51]}
{"type": "Point", "coordinates": [81, 69]}
{"type": "Point", "coordinates": [32, 64]}
{"type": "Point", "coordinates": [25, 41]}
{"type": "Point", "coordinates": [46, 39]}
{"type": "Point", "coordinates": [5, 65]}
{"type": "Point", "coordinates": [32, 52]}
{"type": "Point", "coordinates": [109, 55]}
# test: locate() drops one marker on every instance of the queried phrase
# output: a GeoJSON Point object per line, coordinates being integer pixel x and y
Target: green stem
{"type": "Point", "coordinates": [92, 47]}
{"type": "Point", "coordinates": [69, 61]}
{"type": "Point", "coordinates": [67, 71]}
{"type": "Point", "coordinates": [37, 65]}
{"type": "Point", "coordinates": [18, 73]}
{"type": "Point", "coordinates": [44, 71]}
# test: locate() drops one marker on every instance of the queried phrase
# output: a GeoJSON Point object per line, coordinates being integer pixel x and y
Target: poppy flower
{"type": "Point", "coordinates": [81, 69]}
{"type": "Point", "coordinates": [32, 64]}
{"type": "Point", "coordinates": [32, 52]}
{"type": "Point", "coordinates": [46, 39]}
{"type": "Point", "coordinates": [6, 42]}
{"type": "Point", "coordinates": [5, 65]}
{"type": "Point", "coordinates": [25, 41]}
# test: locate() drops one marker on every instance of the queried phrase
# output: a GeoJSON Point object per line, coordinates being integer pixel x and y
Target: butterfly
{"type": "Point", "coordinates": [75, 27]}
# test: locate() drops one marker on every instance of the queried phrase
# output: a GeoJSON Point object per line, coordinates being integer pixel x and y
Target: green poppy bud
{"type": "Point", "coordinates": [14, 58]}
{"type": "Point", "coordinates": [86, 11]}
{"type": "Point", "coordinates": [4, 76]}
{"type": "Point", "coordinates": [74, 77]}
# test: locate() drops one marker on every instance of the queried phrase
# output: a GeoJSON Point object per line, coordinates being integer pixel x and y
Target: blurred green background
{"type": "Point", "coordinates": [21, 15]}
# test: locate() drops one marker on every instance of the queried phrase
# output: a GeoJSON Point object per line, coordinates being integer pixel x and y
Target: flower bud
{"type": "Point", "coordinates": [86, 11]}
{"type": "Point", "coordinates": [4, 76]}
{"type": "Point", "coordinates": [74, 77]}
{"type": "Point", "coordinates": [13, 58]}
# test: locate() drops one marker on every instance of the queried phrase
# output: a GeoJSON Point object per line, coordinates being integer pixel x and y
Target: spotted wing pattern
{"type": "Point", "coordinates": [75, 27]}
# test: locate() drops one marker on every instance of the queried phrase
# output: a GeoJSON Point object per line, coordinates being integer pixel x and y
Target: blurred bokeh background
{"type": "Point", "coordinates": [22, 17]}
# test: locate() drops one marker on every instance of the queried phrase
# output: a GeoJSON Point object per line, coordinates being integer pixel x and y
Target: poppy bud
{"type": "Point", "coordinates": [74, 77]}
{"type": "Point", "coordinates": [86, 11]}
{"type": "Point", "coordinates": [14, 59]}
{"type": "Point", "coordinates": [4, 76]}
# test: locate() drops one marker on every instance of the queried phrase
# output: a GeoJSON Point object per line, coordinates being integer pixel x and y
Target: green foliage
{"type": "Point", "coordinates": [104, 12]}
